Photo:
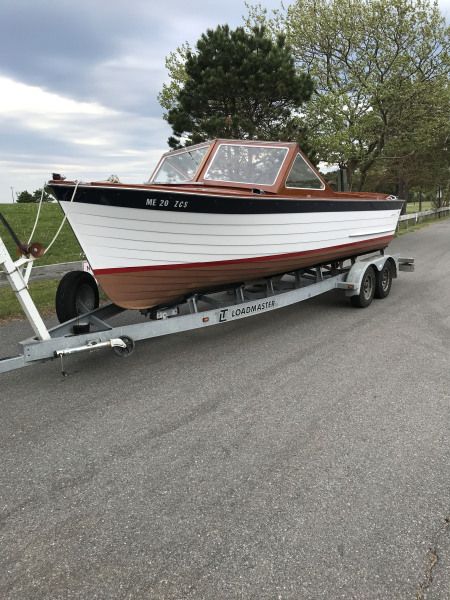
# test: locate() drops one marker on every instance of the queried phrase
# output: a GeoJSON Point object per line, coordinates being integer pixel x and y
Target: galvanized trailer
{"type": "Point", "coordinates": [362, 279]}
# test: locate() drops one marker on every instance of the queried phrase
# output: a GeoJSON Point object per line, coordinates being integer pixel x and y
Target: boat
{"type": "Point", "coordinates": [219, 213]}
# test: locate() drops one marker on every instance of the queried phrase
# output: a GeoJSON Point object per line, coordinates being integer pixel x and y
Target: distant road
{"type": "Point", "coordinates": [298, 454]}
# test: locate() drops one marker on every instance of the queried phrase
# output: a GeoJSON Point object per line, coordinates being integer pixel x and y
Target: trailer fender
{"type": "Point", "coordinates": [352, 284]}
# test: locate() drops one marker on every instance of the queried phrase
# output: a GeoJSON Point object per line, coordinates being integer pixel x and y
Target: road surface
{"type": "Point", "coordinates": [297, 454]}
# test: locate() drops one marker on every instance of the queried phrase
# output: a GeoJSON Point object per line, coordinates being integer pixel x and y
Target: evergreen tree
{"type": "Point", "coordinates": [25, 196]}
{"type": "Point", "coordinates": [238, 84]}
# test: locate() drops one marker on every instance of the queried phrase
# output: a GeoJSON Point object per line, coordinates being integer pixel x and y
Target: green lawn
{"type": "Point", "coordinates": [42, 292]}
{"type": "Point", "coordinates": [413, 207]}
{"type": "Point", "coordinates": [21, 217]}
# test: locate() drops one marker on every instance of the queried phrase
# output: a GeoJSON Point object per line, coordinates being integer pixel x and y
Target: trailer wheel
{"type": "Point", "coordinates": [77, 293]}
{"type": "Point", "coordinates": [384, 281]}
{"type": "Point", "coordinates": [367, 290]}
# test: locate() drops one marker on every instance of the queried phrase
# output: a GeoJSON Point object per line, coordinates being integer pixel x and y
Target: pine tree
{"type": "Point", "coordinates": [239, 84]}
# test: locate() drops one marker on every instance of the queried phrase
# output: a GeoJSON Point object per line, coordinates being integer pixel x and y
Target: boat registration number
{"type": "Point", "coordinates": [165, 203]}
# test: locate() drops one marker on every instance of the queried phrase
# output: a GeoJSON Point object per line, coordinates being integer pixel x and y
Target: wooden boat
{"type": "Point", "coordinates": [219, 213]}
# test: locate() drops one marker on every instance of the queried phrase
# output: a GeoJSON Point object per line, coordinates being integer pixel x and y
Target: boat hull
{"type": "Point", "coordinates": [153, 248]}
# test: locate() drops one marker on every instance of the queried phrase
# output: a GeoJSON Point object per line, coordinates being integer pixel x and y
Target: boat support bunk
{"type": "Point", "coordinates": [361, 278]}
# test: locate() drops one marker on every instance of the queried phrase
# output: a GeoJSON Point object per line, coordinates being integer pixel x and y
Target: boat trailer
{"type": "Point", "coordinates": [361, 279]}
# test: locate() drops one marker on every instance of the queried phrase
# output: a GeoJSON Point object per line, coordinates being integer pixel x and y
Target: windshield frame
{"type": "Point", "coordinates": [278, 183]}
{"type": "Point", "coordinates": [245, 144]}
{"type": "Point", "coordinates": [177, 152]}
{"type": "Point", "coordinates": [278, 186]}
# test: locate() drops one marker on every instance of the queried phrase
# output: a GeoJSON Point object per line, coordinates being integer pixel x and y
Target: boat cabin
{"type": "Point", "coordinates": [276, 167]}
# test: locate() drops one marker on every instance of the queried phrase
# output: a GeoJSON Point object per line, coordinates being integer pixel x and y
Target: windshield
{"type": "Point", "coordinates": [179, 167]}
{"type": "Point", "coordinates": [251, 164]}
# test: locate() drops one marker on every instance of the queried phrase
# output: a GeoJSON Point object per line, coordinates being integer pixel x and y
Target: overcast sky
{"type": "Point", "coordinates": [79, 83]}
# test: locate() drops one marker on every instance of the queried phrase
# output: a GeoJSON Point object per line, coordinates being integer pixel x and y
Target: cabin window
{"type": "Point", "coordinates": [256, 165]}
{"type": "Point", "coordinates": [302, 176]}
{"type": "Point", "coordinates": [179, 167]}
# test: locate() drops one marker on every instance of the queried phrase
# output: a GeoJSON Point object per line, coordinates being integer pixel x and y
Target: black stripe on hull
{"type": "Point", "coordinates": [148, 199]}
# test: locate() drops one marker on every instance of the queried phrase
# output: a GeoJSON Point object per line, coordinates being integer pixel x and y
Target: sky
{"type": "Point", "coordinates": [79, 82]}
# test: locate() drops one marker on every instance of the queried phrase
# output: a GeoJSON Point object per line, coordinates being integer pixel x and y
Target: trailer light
{"type": "Point", "coordinates": [205, 319]}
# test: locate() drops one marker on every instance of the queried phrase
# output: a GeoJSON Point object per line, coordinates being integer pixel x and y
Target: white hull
{"type": "Point", "coordinates": [123, 238]}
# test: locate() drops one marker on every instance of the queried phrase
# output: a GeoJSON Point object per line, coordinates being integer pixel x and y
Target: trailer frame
{"type": "Point", "coordinates": [92, 331]}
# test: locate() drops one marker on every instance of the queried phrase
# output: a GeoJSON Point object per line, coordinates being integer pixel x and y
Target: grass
{"type": "Point", "coordinates": [408, 227]}
{"type": "Point", "coordinates": [413, 207]}
{"type": "Point", "coordinates": [42, 292]}
{"type": "Point", "coordinates": [21, 217]}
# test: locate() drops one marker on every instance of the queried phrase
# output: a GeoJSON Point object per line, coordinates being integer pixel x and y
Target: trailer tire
{"type": "Point", "coordinates": [77, 293]}
{"type": "Point", "coordinates": [384, 281]}
{"type": "Point", "coordinates": [367, 289]}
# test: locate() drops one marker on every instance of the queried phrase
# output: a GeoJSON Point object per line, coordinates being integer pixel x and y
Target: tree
{"type": "Point", "coordinates": [380, 69]}
{"type": "Point", "coordinates": [38, 193]}
{"type": "Point", "coordinates": [176, 68]}
{"type": "Point", "coordinates": [417, 158]}
{"type": "Point", "coordinates": [25, 197]}
{"type": "Point", "coordinates": [237, 84]}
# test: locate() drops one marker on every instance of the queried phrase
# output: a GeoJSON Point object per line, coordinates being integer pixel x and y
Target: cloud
{"type": "Point", "coordinates": [19, 99]}
{"type": "Point", "coordinates": [107, 52]}
{"type": "Point", "coordinates": [44, 132]}
{"type": "Point", "coordinates": [71, 121]}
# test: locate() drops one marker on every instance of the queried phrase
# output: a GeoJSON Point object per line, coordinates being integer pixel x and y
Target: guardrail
{"type": "Point", "coordinates": [60, 269]}
{"type": "Point", "coordinates": [425, 213]}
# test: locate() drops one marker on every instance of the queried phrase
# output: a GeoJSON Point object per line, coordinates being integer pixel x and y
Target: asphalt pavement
{"type": "Point", "coordinates": [298, 454]}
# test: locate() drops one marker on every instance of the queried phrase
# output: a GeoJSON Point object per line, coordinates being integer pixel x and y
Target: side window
{"type": "Point", "coordinates": [302, 176]}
